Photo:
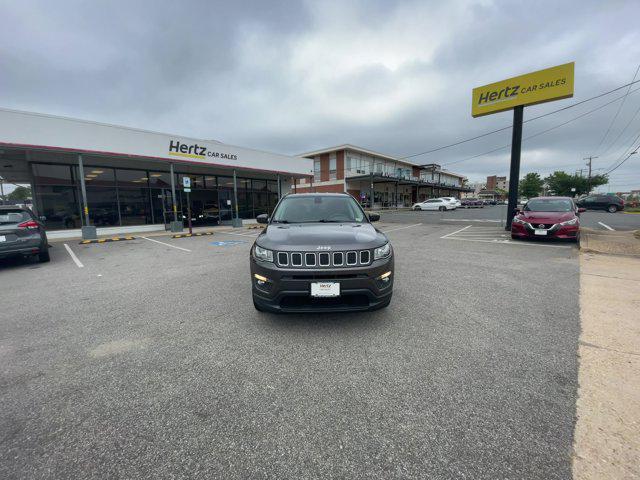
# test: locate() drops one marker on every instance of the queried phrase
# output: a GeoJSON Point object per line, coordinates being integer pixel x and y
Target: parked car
{"type": "Point", "coordinates": [319, 252]}
{"type": "Point", "coordinates": [22, 234]}
{"type": "Point", "coordinates": [610, 203]}
{"type": "Point", "coordinates": [548, 217]}
{"type": "Point", "coordinates": [471, 203]}
{"type": "Point", "coordinates": [453, 201]}
{"type": "Point", "coordinates": [434, 204]}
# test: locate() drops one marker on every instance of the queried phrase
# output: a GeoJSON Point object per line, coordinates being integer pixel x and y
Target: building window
{"type": "Point", "coordinates": [52, 174]}
{"type": "Point", "coordinates": [332, 166]}
{"type": "Point", "coordinates": [132, 178]}
{"type": "Point", "coordinates": [134, 205]}
{"type": "Point", "coordinates": [160, 179]}
{"type": "Point", "coordinates": [60, 204]}
{"type": "Point", "coordinates": [103, 206]}
{"type": "Point", "coordinates": [99, 177]}
{"type": "Point", "coordinates": [316, 170]}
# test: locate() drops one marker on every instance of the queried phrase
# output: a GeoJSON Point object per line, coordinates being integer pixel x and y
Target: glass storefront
{"type": "Point", "coordinates": [138, 197]}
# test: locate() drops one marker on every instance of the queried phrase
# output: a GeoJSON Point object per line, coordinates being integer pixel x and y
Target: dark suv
{"type": "Point", "coordinates": [319, 252]}
{"type": "Point", "coordinates": [22, 234]}
{"type": "Point", "coordinates": [610, 203]}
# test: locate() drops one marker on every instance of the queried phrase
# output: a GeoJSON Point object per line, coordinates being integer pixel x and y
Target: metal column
{"type": "Point", "coordinates": [279, 188]}
{"type": "Point", "coordinates": [236, 222]}
{"type": "Point", "coordinates": [176, 226]}
{"type": "Point", "coordinates": [514, 173]}
{"type": "Point", "coordinates": [88, 231]}
{"type": "Point", "coordinates": [371, 193]}
{"type": "Point", "coordinates": [396, 194]}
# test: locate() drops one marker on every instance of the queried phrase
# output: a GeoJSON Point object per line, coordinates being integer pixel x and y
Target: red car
{"type": "Point", "coordinates": [548, 217]}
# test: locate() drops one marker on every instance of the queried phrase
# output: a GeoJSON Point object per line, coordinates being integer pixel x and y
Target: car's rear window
{"type": "Point", "coordinates": [13, 216]}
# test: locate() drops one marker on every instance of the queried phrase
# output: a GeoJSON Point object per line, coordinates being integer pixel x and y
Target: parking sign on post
{"type": "Point", "coordinates": [186, 183]}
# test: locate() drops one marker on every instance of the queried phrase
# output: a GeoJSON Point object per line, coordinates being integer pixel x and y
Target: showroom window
{"type": "Point", "coordinates": [134, 205]}
{"type": "Point", "coordinates": [132, 178]}
{"type": "Point", "coordinates": [52, 174]}
{"type": "Point", "coordinates": [160, 179]}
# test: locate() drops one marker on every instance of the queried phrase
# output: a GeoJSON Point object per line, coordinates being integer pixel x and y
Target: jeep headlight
{"type": "Point", "coordinates": [573, 221]}
{"type": "Point", "coordinates": [262, 254]}
{"type": "Point", "coordinates": [382, 252]}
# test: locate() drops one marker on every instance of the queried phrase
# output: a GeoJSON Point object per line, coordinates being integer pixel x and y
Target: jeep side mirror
{"type": "Point", "coordinates": [374, 217]}
{"type": "Point", "coordinates": [262, 218]}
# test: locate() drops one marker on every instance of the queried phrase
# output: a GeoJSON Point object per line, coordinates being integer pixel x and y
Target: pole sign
{"type": "Point", "coordinates": [186, 183]}
{"type": "Point", "coordinates": [542, 86]}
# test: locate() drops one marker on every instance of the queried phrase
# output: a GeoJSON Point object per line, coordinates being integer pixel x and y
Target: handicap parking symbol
{"type": "Point", "coordinates": [228, 243]}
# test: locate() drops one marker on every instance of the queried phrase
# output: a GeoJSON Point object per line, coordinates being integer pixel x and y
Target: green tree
{"type": "Point", "coordinates": [561, 183]}
{"type": "Point", "coordinates": [20, 194]}
{"type": "Point", "coordinates": [531, 185]}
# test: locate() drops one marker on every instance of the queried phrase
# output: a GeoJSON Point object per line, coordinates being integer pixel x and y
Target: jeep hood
{"type": "Point", "coordinates": [311, 236]}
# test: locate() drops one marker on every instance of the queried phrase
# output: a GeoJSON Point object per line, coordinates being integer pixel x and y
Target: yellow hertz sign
{"type": "Point", "coordinates": [542, 86]}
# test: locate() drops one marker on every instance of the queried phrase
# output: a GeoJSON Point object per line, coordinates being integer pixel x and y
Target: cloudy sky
{"type": "Point", "coordinates": [290, 77]}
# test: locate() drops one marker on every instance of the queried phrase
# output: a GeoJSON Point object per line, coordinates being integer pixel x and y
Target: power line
{"type": "Point", "coordinates": [460, 142]}
{"type": "Point", "coordinates": [613, 120]}
{"type": "Point", "coordinates": [620, 164]}
{"type": "Point", "coordinates": [621, 132]}
{"type": "Point", "coordinates": [543, 131]}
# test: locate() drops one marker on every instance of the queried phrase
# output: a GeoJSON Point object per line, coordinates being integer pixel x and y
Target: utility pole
{"type": "Point", "coordinates": [590, 158]}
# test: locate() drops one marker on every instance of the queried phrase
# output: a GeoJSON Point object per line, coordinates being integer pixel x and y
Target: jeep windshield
{"type": "Point", "coordinates": [319, 209]}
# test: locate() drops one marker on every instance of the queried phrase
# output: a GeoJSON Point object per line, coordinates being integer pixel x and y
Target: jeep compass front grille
{"type": "Point", "coordinates": [323, 259]}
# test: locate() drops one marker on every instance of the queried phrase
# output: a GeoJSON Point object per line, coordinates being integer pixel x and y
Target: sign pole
{"type": "Point", "coordinates": [514, 172]}
{"type": "Point", "coordinates": [189, 211]}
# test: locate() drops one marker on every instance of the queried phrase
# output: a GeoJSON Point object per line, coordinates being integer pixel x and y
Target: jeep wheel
{"type": "Point", "coordinates": [442, 209]}
{"type": "Point", "coordinates": [612, 208]}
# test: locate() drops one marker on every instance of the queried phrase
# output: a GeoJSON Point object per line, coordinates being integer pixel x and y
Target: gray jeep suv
{"type": "Point", "coordinates": [319, 252]}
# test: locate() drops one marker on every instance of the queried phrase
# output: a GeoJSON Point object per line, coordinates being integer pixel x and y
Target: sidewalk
{"type": "Point", "coordinates": [607, 433]}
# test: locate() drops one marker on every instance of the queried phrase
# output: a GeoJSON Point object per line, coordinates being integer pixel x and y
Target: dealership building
{"type": "Point", "coordinates": [390, 181]}
{"type": "Point", "coordinates": [86, 174]}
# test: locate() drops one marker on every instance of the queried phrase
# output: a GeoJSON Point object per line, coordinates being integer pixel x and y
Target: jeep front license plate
{"type": "Point", "coordinates": [540, 232]}
{"type": "Point", "coordinates": [325, 289]}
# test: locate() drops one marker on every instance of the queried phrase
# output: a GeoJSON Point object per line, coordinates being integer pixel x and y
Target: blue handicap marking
{"type": "Point", "coordinates": [228, 243]}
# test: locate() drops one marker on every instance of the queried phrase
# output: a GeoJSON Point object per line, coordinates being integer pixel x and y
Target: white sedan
{"type": "Point", "coordinates": [453, 201]}
{"type": "Point", "coordinates": [434, 204]}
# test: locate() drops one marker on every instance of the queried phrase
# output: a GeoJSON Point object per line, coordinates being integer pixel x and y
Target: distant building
{"type": "Point", "coordinates": [391, 181]}
{"type": "Point", "coordinates": [500, 183]}
{"type": "Point", "coordinates": [475, 188]}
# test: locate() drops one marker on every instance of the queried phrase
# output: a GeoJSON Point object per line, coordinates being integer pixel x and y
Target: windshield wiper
{"type": "Point", "coordinates": [279, 221]}
{"type": "Point", "coordinates": [330, 221]}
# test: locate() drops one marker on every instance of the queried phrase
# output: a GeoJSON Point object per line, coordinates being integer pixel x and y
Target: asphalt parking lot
{"type": "Point", "coordinates": [146, 359]}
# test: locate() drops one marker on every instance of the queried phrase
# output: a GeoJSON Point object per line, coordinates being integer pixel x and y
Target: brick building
{"type": "Point", "coordinates": [391, 181]}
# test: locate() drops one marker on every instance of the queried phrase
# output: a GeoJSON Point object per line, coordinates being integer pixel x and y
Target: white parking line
{"type": "Point", "coordinates": [73, 256]}
{"type": "Point", "coordinates": [607, 227]}
{"type": "Point", "coordinates": [457, 231]}
{"type": "Point", "coordinates": [167, 244]}
{"type": "Point", "coordinates": [401, 228]}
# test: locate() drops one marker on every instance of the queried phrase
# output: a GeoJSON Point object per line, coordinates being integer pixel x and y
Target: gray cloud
{"type": "Point", "coordinates": [294, 76]}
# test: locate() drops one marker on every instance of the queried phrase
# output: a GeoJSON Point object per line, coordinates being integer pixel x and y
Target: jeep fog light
{"type": "Point", "coordinates": [260, 279]}
{"type": "Point", "coordinates": [384, 280]}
